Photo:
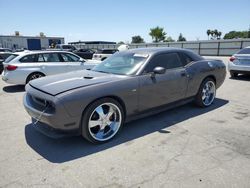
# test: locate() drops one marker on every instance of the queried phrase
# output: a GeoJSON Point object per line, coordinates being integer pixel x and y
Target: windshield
{"type": "Point", "coordinates": [244, 51]}
{"type": "Point", "coordinates": [122, 63]}
{"type": "Point", "coordinates": [10, 58]}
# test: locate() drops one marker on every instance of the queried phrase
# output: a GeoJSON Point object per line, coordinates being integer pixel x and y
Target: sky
{"type": "Point", "coordinates": [119, 20]}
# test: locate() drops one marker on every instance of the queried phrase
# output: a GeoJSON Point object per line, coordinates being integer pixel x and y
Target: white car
{"type": "Point", "coordinates": [240, 62]}
{"type": "Point", "coordinates": [103, 54]}
{"type": "Point", "coordinates": [21, 67]}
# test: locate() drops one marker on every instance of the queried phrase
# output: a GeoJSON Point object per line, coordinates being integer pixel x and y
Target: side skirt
{"type": "Point", "coordinates": [157, 110]}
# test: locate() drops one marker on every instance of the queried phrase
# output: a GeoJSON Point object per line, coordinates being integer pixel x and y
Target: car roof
{"type": "Point", "coordinates": [27, 52]}
{"type": "Point", "coordinates": [156, 50]}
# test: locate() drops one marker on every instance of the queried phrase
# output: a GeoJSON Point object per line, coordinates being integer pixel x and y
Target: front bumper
{"type": "Point", "coordinates": [238, 67]}
{"type": "Point", "coordinates": [55, 117]}
{"type": "Point", "coordinates": [52, 132]}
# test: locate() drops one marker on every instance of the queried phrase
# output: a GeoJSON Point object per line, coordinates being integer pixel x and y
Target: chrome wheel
{"type": "Point", "coordinates": [208, 93]}
{"type": "Point", "coordinates": [104, 121]}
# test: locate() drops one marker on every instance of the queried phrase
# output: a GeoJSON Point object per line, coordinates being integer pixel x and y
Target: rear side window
{"type": "Point", "coordinates": [185, 59]}
{"type": "Point", "coordinates": [244, 51]}
{"type": "Point", "coordinates": [28, 59]}
{"type": "Point", "coordinates": [51, 57]}
{"type": "Point", "coordinates": [69, 57]}
{"type": "Point", "coordinates": [4, 56]}
{"type": "Point", "coordinates": [10, 58]}
{"type": "Point", "coordinates": [168, 61]}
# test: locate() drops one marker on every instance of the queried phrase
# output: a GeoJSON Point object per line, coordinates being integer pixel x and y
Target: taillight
{"type": "Point", "coordinates": [232, 58]}
{"type": "Point", "coordinates": [11, 67]}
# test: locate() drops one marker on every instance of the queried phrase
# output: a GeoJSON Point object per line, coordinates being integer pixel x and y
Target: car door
{"type": "Point", "coordinates": [75, 63]}
{"type": "Point", "coordinates": [52, 63]}
{"type": "Point", "coordinates": [161, 89]}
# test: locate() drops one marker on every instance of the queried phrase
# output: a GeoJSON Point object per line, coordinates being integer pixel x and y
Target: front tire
{"type": "Point", "coordinates": [102, 120]}
{"type": "Point", "coordinates": [206, 93]}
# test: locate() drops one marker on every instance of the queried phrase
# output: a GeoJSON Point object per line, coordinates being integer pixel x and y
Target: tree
{"type": "Point", "coordinates": [157, 34]}
{"type": "Point", "coordinates": [215, 34]}
{"type": "Point", "coordinates": [121, 42]}
{"type": "Point", "coordinates": [208, 33]}
{"type": "Point", "coordinates": [236, 35]}
{"type": "Point", "coordinates": [181, 38]}
{"type": "Point", "coordinates": [137, 39]}
{"type": "Point", "coordinates": [219, 35]}
{"type": "Point", "coordinates": [169, 39]}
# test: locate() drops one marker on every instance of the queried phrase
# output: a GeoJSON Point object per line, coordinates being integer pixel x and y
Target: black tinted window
{"type": "Point", "coordinates": [111, 51]}
{"type": "Point", "coordinates": [28, 59]}
{"type": "Point", "coordinates": [168, 61]}
{"type": "Point", "coordinates": [244, 51]}
{"type": "Point", "coordinates": [185, 59]}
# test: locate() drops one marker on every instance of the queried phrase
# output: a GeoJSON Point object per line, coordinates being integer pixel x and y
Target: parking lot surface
{"type": "Point", "coordinates": [183, 147]}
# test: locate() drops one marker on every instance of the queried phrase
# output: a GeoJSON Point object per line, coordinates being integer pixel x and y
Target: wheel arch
{"type": "Point", "coordinates": [26, 81]}
{"type": "Point", "coordinates": [210, 76]}
{"type": "Point", "coordinates": [118, 99]}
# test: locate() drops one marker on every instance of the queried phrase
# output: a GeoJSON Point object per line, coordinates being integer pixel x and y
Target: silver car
{"type": "Point", "coordinates": [240, 62]}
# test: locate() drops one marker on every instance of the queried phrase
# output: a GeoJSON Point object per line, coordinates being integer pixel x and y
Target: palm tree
{"type": "Point", "coordinates": [215, 34]}
{"type": "Point", "coordinates": [219, 35]}
{"type": "Point", "coordinates": [212, 34]}
{"type": "Point", "coordinates": [208, 33]}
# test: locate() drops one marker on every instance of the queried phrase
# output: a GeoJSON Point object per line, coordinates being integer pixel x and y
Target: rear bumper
{"type": "Point", "coordinates": [13, 78]}
{"type": "Point", "coordinates": [239, 68]}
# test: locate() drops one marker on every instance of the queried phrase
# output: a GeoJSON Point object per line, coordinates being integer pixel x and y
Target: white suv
{"type": "Point", "coordinates": [21, 67]}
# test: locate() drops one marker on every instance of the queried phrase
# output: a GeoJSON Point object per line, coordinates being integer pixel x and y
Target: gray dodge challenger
{"type": "Point", "coordinates": [128, 85]}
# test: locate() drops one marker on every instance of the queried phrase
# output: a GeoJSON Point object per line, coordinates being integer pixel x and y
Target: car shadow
{"type": "Point", "coordinates": [244, 77]}
{"type": "Point", "coordinates": [70, 148]}
{"type": "Point", "coordinates": [14, 88]}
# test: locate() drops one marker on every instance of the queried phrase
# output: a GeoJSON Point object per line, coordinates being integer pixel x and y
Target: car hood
{"type": "Point", "coordinates": [57, 84]}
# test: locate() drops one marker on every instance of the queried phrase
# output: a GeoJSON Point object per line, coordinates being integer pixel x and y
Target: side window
{"type": "Point", "coordinates": [51, 57]}
{"type": "Point", "coordinates": [168, 61]}
{"type": "Point", "coordinates": [40, 58]}
{"type": "Point", "coordinates": [69, 57]}
{"type": "Point", "coordinates": [29, 59]}
{"type": "Point", "coordinates": [185, 59]}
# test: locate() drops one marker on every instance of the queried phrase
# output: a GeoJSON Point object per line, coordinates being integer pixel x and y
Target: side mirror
{"type": "Point", "coordinates": [159, 70]}
{"type": "Point", "coordinates": [82, 60]}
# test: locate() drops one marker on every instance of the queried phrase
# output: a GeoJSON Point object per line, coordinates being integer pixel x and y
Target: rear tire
{"type": "Point", "coordinates": [34, 76]}
{"type": "Point", "coordinates": [102, 120]}
{"type": "Point", "coordinates": [206, 93]}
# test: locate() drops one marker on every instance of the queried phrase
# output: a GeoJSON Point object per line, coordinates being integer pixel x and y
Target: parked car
{"type": "Point", "coordinates": [21, 67]}
{"type": "Point", "coordinates": [85, 53]}
{"type": "Point", "coordinates": [3, 56]}
{"type": "Point", "coordinates": [128, 85]}
{"type": "Point", "coordinates": [240, 62]}
{"type": "Point", "coordinates": [103, 54]}
{"type": "Point", "coordinates": [5, 50]}
{"type": "Point", "coordinates": [65, 47]}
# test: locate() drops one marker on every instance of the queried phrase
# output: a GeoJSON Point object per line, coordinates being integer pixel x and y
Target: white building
{"type": "Point", "coordinates": [29, 42]}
